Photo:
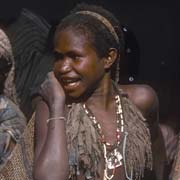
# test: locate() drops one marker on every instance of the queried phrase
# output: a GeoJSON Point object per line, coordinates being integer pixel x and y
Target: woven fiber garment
{"type": "Point", "coordinates": [20, 164]}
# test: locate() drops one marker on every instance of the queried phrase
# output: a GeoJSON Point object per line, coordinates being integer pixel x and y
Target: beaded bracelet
{"type": "Point", "coordinates": [56, 118]}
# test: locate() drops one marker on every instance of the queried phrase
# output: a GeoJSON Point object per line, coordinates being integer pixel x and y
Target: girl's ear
{"type": "Point", "coordinates": [110, 58]}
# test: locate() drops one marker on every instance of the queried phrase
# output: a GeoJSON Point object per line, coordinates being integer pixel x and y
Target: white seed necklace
{"type": "Point", "coordinates": [113, 159]}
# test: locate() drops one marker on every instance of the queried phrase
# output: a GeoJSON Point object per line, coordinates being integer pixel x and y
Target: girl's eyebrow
{"type": "Point", "coordinates": [74, 53]}
{"type": "Point", "coordinates": [58, 55]}
{"type": "Point", "coordinates": [71, 52]}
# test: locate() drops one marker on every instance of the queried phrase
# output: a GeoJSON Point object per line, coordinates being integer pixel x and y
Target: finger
{"type": "Point", "coordinates": [40, 91]}
{"type": "Point", "coordinates": [42, 86]}
{"type": "Point", "coordinates": [50, 74]}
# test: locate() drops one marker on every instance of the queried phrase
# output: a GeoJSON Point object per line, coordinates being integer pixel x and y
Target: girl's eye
{"type": "Point", "coordinates": [76, 58]}
{"type": "Point", "coordinates": [58, 56]}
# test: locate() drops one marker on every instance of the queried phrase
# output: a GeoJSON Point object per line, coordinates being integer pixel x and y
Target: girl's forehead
{"type": "Point", "coordinates": [71, 40]}
{"type": "Point", "coordinates": [72, 36]}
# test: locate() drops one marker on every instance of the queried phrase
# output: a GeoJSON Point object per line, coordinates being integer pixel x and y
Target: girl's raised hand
{"type": "Point", "coordinates": [52, 91]}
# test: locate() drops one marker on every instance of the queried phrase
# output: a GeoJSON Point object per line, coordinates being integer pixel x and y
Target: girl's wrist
{"type": "Point", "coordinates": [57, 108]}
{"type": "Point", "coordinates": [57, 113]}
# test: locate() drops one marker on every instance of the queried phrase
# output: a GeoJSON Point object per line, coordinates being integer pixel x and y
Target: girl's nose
{"type": "Point", "coordinates": [65, 66]}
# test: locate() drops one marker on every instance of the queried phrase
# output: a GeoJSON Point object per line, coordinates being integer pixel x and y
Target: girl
{"type": "Point", "coordinates": [87, 126]}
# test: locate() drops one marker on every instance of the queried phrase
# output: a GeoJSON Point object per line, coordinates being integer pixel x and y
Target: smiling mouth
{"type": "Point", "coordinates": [70, 83]}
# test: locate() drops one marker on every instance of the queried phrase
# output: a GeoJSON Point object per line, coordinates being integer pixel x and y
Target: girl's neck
{"type": "Point", "coordinates": [103, 95]}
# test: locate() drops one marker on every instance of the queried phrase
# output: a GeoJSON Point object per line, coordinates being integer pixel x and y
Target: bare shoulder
{"type": "Point", "coordinates": [143, 96]}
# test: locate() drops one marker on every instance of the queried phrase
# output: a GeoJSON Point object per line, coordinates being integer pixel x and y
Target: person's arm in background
{"type": "Point", "coordinates": [145, 98]}
{"type": "Point", "coordinates": [175, 172]}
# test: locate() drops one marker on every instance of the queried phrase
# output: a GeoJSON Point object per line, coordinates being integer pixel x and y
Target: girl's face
{"type": "Point", "coordinates": [77, 65]}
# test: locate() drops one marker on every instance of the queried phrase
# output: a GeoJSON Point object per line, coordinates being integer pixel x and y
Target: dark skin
{"type": "Point", "coordinates": [80, 75]}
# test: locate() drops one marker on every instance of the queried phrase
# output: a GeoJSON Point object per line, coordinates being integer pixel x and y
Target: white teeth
{"type": "Point", "coordinates": [72, 84]}
{"type": "Point", "coordinates": [69, 81]}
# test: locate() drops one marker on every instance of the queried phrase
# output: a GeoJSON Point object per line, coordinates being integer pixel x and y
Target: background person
{"type": "Point", "coordinates": [12, 120]}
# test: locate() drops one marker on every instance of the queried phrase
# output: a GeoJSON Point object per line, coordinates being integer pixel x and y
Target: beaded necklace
{"type": "Point", "coordinates": [113, 158]}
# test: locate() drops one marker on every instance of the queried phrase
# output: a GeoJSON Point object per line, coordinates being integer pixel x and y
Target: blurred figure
{"type": "Point", "coordinates": [12, 120]}
{"type": "Point", "coordinates": [175, 174]}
